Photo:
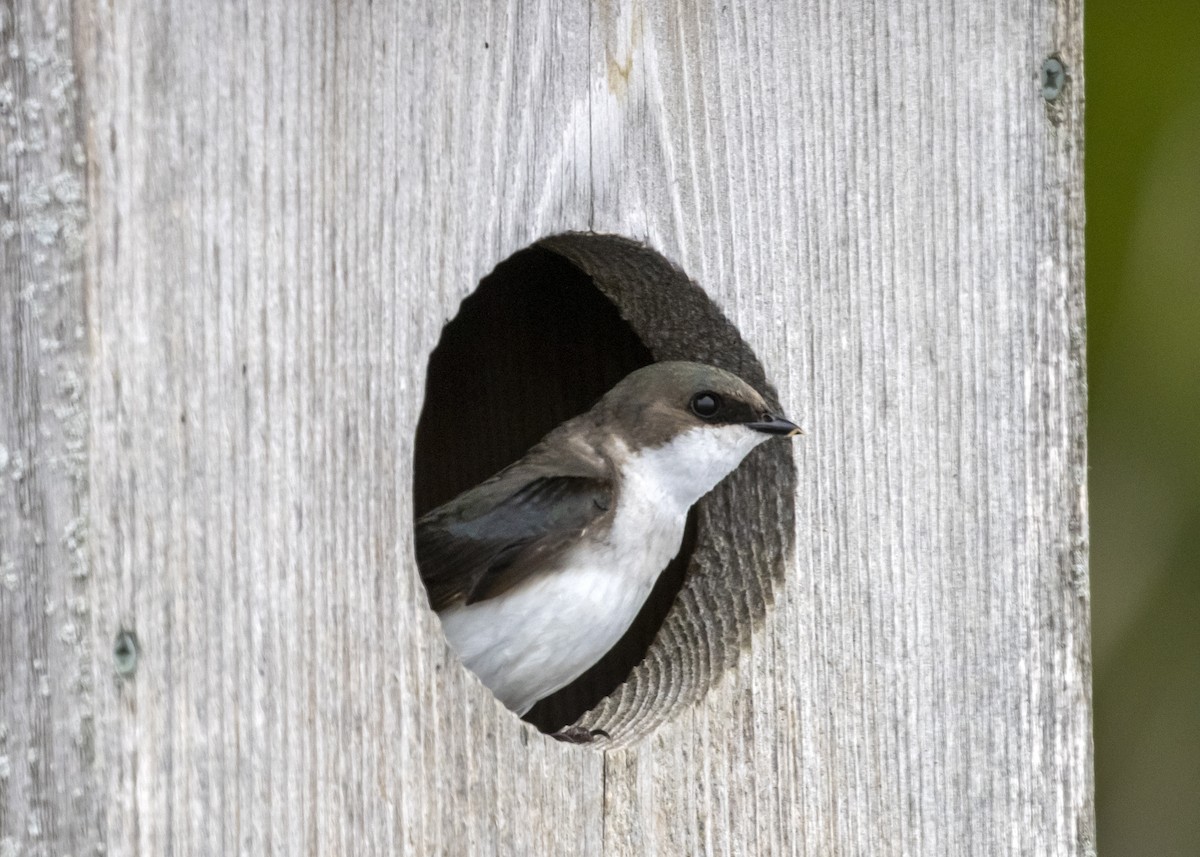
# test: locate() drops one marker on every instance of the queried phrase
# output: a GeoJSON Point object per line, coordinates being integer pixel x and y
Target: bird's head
{"type": "Point", "coordinates": [688, 424]}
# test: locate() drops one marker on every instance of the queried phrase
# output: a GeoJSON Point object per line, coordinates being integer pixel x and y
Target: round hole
{"type": "Point", "coordinates": [548, 332]}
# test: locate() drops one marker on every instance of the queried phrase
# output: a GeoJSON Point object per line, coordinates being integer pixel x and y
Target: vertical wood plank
{"type": "Point", "coordinates": [290, 199]}
{"type": "Point", "coordinates": [883, 201]}
{"type": "Point", "coordinates": [46, 596]}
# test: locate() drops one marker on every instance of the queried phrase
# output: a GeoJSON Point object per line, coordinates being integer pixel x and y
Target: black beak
{"type": "Point", "coordinates": [776, 425]}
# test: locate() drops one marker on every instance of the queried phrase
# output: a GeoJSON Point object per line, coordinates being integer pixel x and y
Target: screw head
{"type": "Point", "coordinates": [125, 653]}
{"type": "Point", "coordinates": [1054, 77]}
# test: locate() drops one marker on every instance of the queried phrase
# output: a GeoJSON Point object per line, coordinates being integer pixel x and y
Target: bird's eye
{"type": "Point", "coordinates": [705, 405]}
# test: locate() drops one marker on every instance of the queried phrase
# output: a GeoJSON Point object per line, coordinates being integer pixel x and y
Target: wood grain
{"type": "Point", "coordinates": [284, 204]}
{"type": "Point", "coordinates": [46, 594]}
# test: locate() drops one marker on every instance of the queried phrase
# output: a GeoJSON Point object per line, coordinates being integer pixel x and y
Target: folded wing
{"type": "Point", "coordinates": [500, 533]}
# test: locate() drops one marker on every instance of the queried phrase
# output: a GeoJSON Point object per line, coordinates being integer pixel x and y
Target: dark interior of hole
{"type": "Point", "coordinates": [535, 344]}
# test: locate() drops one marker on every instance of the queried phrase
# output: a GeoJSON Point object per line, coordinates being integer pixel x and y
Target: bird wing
{"type": "Point", "coordinates": [496, 535]}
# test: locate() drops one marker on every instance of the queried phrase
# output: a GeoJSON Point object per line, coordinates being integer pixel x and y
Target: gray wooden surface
{"type": "Point", "coordinates": [229, 237]}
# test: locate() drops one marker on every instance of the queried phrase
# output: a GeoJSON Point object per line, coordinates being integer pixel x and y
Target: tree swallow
{"type": "Point", "coordinates": [537, 572]}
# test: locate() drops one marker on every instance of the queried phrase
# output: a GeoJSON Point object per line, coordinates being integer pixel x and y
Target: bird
{"type": "Point", "coordinates": [539, 570]}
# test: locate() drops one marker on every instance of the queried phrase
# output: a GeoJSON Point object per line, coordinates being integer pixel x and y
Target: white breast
{"type": "Point", "coordinates": [539, 637]}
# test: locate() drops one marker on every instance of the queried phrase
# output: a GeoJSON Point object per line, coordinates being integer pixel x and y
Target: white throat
{"type": "Point", "coordinates": [688, 466]}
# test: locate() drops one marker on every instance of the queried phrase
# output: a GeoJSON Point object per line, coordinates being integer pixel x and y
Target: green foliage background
{"type": "Point", "coordinates": [1143, 277]}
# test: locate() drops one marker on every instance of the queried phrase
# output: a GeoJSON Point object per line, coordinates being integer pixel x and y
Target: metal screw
{"type": "Point", "coordinates": [1054, 76]}
{"type": "Point", "coordinates": [125, 653]}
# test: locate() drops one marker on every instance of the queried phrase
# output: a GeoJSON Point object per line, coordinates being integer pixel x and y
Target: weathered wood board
{"type": "Point", "coordinates": [230, 234]}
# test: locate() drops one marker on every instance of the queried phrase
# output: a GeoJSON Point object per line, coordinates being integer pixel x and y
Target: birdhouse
{"type": "Point", "coordinates": [281, 277]}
